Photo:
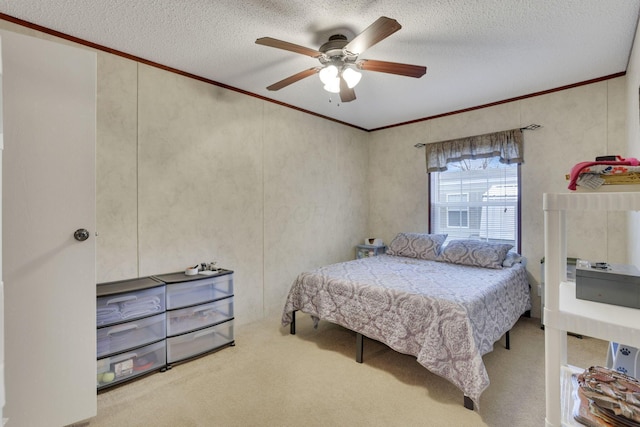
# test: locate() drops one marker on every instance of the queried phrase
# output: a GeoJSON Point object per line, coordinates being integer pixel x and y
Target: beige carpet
{"type": "Point", "coordinates": [271, 378]}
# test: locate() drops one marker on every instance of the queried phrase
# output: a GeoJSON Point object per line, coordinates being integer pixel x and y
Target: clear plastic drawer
{"type": "Point", "coordinates": [127, 306]}
{"type": "Point", "coordinates": [120, 337]}
{"type": "Point", "coordinates": [124, 366]}
{"type": "Point", "coordinates": [194, 292]}
{"type": "Point", "coordinates": [199, 342]}
{"type": "Point", "coordinates": [199, 316]}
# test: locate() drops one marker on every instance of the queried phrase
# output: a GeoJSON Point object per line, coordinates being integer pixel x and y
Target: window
{"type": "Point", "coordinates": [457, 210]}
{"type": "Point", "coordinates": [476, 199]}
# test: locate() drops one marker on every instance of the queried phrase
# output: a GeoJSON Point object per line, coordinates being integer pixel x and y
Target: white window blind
{"type": "Point", "coordinates": [457, 216]}
{"type": "Point", "coordinates": [476, 199]}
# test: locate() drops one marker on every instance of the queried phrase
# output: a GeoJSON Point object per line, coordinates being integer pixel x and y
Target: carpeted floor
{"type": "Point", "coordinates": [271, 378]}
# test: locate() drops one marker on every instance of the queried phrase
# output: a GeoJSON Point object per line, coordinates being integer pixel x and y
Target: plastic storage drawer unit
{"type": "Point", "coordinates": [183, 291]}
{"type": "Point", "coordinates": [123, 336]}
{"type": "Point", "coordinates": [366, 251]}
{"type": "Point", "coordinates": [199, 316]}
{"type": "Point", "coordinates": [199, 342]}
{"type": "Point", "coordinates": [122, 367]}
{"type": "Point", "coordinates": [129, 299]}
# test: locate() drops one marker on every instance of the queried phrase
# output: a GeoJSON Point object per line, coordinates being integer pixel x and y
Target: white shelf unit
{"type": "Point", "coordinates": [563, 312]}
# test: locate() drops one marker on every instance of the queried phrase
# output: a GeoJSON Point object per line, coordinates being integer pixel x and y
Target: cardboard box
{"type": "Point", "coordinates": [617, 284]}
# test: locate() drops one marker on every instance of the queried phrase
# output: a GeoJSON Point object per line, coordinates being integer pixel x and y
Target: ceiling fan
{"type": "Point", "coordinates": [339, 59]}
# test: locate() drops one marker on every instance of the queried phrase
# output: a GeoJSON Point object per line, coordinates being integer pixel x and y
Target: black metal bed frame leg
{"type": "Point", "coordinates": [508, 344]}
{"type": "Point", "coordinates": [292, 325]}
{"type": "Point", "coordinates": [468, 403]}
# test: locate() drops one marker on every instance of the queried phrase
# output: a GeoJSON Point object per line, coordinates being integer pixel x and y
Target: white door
{"type": "Point", "coordinates": [49, 92]}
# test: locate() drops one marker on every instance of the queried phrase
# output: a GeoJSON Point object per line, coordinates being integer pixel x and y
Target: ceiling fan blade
{"type": "Point", "coordinates": [379, 30]}
{"type": "Point", "coordinates": [408, 70]}
{"type": "Point", "coordinates": [279, 44]}
{"type": "Point", "coordinates": [292, 79]}
{"type": "Point", "coordinates": [347, 94]}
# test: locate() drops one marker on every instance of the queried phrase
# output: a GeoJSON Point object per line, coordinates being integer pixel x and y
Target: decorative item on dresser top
{"type": "Point", "coordinates": [564, 312]}
{"type": "Point", "coordinates": [199, 313]}
{"type": "Point", "coordinates": [131, 329]}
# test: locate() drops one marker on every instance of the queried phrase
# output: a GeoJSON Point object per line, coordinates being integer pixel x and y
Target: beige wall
{"type": "Point", "coordinates": [189, 172]}
{"type": "Point", "coordinates": [578, 124]}
{"type": "Point", "coordinates": [116, 168]}
{"type": "Point", "coordinates": [264, 190]}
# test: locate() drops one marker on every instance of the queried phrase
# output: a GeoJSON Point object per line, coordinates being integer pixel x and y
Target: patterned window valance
{"type": "Point", "coordinates": [506, 144]}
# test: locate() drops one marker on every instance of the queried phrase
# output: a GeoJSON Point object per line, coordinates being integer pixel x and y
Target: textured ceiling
{"type": "Point", "coordinates": [476, 52]}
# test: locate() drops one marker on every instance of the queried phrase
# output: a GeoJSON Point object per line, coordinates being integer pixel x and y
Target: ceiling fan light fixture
{"type": "Point", "coordinates": [328, 74]}
{"type": "Point", "coordinates": [352, 77]}
{"type": "Point", "coordinates": [339, 59]}
{"type": "Point", "coordinates": [333, 86]}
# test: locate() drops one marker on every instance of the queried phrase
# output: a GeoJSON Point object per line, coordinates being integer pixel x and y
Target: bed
{"type": "Point", "coordinates": [446, 308]}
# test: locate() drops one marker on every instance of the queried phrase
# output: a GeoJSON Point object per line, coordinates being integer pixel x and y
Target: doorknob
{"type": "Point", "coordinates": [81, 234]}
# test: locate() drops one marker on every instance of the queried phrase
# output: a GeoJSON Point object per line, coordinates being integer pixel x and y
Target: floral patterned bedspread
{"type": "Point", "coordinates": [446, 315]}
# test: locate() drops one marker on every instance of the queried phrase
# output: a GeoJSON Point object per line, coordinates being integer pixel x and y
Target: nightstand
{"type": "Point", "coordinates": [365, 251]}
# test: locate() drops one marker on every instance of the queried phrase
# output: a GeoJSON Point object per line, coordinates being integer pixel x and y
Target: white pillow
{"type": "Point", "coordinates": [511, 259]}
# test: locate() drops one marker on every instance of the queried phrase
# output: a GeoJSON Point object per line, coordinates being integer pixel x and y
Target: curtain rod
{"type": "Point", "coordinates": [532, 126]}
